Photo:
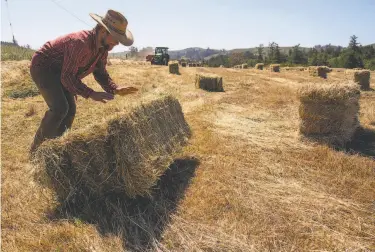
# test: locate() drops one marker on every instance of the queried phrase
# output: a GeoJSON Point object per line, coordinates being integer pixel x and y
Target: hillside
{"type": "Point", "coordinates": [198, 53]}
{"type": "Point", "coordinates": [245, 182]}
{"type": "Point", "coordinates": [10, 51]}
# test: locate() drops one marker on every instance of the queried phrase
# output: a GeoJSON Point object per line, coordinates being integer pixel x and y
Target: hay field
{"type": "Point", "coordinates": [244, 183]}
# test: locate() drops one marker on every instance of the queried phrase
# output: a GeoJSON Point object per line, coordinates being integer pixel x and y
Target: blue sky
{"type": "Point", "coordinates": [205, 23]}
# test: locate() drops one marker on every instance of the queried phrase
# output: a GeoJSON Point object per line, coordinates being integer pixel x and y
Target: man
{"type": "Point", "coordinates": [58, 67]}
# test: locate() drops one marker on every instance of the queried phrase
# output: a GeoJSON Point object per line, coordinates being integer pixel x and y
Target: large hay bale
{"type": "Point", "coordinates": [209, 82]}
{"type": "Point", "coordinates": [244, 66]}
{"type": "Point", "coordinates": [275, 68]}
{"type": "Point", "coordinates": [361, 77]}
{"type": "Point", "coordinates": [126, 153]}
{"type": "Point", "coordinates": [173, 68]}
{"type": "Point", "coordinates": [329, 112]}
{"type": "Point", "coordinates": [183, 64]}
{"type": "Point", "coordinates": [319, 71]}
{"type": "Point", "coordinates": [259, 66]}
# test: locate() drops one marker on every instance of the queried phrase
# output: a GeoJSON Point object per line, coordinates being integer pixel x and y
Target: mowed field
{"type": "Point", "coordinates": [245, 182]}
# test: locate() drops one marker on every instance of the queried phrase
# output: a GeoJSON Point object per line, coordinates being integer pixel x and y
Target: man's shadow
{"type": "Point", "coordinates": [363, 143]}
{"type": "Point", "coordinates": [140, 221]}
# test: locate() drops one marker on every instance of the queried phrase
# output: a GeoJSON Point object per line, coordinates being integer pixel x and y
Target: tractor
{"type": "Point", "coordinates": [161, 56]}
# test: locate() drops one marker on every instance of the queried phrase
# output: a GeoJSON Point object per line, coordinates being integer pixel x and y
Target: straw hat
{"type": "Point", "coordinates": [116, 24]}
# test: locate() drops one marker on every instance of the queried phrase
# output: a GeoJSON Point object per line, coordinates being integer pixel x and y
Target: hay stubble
{"type": "Point", "coordinates": [253, 190]}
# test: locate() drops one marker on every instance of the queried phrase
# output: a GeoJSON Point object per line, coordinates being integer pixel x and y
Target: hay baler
{"type": "Point", "coordinates": [161, 56]}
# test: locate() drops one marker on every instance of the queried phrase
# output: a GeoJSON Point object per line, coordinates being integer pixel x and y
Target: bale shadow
{"type": "Point", "coordinates": [363, 143]}
{"type": "Point", "coordinates": [139, 221]}
{"type": "Point", "coordinates": [368, 89]}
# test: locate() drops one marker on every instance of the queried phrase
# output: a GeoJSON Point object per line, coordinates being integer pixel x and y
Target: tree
{"type": "Point", "coordinates": [297, 56]}
{"type": "Point", "coordinates": [352, 56]}
{"type": "Point", "coordinates": [277, 57]}
{"type": "Point", "coordinates": [236, 58]}
{"type": "Point", "coordinates": [353, 44]}
{"type": "Point", "coordinates": [271, 53]}
{"type": "Point", "coordinates": [368, 52]}
{"type": "Point", "coordinates": [260, 50]}
{"type": "Point", "coordinates": [133, 51]}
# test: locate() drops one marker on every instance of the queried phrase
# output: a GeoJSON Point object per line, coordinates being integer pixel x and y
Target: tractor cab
{"type": "Point", "coordinates": [161, 56]}
{"type": "Point", "coordinates": [161, 50]}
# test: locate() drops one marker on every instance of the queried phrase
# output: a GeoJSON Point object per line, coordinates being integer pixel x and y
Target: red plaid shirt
{"type": "Point", "coordinates": [76, 55]}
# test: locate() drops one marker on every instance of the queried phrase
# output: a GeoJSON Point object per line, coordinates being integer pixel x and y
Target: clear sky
{"type": "Point", "coordinates": [219, 24]}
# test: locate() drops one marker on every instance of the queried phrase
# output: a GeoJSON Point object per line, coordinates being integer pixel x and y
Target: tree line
{"type": "Point", "coordinates": [353, 56]}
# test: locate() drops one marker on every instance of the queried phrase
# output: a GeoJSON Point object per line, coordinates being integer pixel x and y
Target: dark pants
{"type": "Point", "coordinates": [62, 106]}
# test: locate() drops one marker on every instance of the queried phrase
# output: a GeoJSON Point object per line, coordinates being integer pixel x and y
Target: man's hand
{"type": "Point", "coordinates": [125, 90]}
{"type": "Point", "coordinates": [101, 96]}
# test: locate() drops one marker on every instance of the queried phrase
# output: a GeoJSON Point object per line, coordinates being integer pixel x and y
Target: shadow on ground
{"type": "Point", "coordinates": [363, 143]}
{"type": "Point", "coordinates": [140, 221]}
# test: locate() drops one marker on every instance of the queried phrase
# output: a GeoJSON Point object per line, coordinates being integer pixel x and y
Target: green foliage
{"type": "Point", "coordinates": [370, 64]}
{"type": "Point", "coordinates": [28, 91]}
{"type": "Point", "coordinates": [260, 50]}
{"type": "Point", "coordinates": [10, 51]}
{"type": "Point", "coordinates": [296, 56]}
{"type": "Point", "coordinates": [353, 56]}
{"type": "Point", "coordinates": [218, 61]}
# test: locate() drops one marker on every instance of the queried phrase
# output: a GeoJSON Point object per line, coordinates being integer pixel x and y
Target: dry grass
{"type": "Point", "coordinates": [244, 183]}
{"type": "Point", "coordinates": [16, 80]}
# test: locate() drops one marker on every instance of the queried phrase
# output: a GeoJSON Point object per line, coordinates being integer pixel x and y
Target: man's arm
{"type": "Point", "coordinates": [72, 54]}
{"type": "Point", "coordinates": [102, 77]}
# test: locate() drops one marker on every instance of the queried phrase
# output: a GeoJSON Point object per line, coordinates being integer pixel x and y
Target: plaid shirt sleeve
{"type": "Point", "coordinates": [101, 75]}
{"type": "Point", "coordinates": [73, 52]}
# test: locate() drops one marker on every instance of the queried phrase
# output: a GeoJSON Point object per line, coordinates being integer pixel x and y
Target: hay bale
{"type": "Point", "coordinates": [319, 71]}
{"type": "Point", "coordinates": [275, 68]}
{"type": "Point", "coordinates": [259, 66]}
{"type": "Point", "coordinates": [183, 64]}
{"type": "Point", "coordinates": [173, 68]}
{"type": "Point", "coordinates": [244, 66]}
{"type": "Point", "coordinates": [329, 112]}
{"type": "Point", "coordinates": [126, 153]}
{"type": "Point", "coordinates": [209, 82]}
{"type": "Point", "coordinates": [361, 77]}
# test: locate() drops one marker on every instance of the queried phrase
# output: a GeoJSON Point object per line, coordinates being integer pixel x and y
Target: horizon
{"type": "Point", "coordinates": [211, 24]}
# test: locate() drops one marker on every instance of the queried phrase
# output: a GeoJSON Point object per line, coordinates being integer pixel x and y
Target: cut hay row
{"type": "Point", "coordinates": [361, 77]}
{"type": "Point", "coordinates": [275, 68]}
{"type": "Point", "coordinates": [319, 71]}
{"type": "Point", "coordinates": [259, 66]}
{"type": "Point", "coordinates": [209, 82]}
{"type": "Point", "coordinates": [294, 68]}
{"type": "Point", "coordinates": [125, 154]}
{"type": "Point", "coordinates": [329, 112]}
{"type": "Point", "coordinates": [173, 68]}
